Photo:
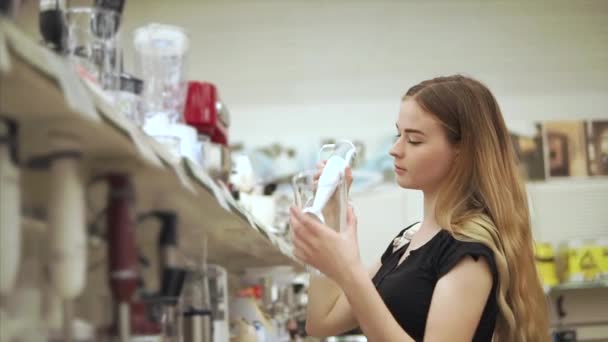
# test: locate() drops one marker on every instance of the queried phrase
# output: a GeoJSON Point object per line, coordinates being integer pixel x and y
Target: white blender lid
{"type": "Point", "coordinates": [161, 39]}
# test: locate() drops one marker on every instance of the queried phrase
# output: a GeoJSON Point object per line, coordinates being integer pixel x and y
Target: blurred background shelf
{"type": "Point", "coordinates": [578, 286]}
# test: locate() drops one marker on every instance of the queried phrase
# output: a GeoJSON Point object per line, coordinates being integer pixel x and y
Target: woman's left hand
{"type": "Point", "coordinates": [334, 254]}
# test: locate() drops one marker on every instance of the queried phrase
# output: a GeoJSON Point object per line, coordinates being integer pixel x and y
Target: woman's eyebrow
{"type": "Point", "coordinates": [410, 130]}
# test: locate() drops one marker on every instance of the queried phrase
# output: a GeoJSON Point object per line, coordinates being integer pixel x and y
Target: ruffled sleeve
{"type": "Point", "coordinates": [452, 253]}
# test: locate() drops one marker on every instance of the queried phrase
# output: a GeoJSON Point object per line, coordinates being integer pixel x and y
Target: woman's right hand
{"type": "Point", "coordinates": [321, 165]}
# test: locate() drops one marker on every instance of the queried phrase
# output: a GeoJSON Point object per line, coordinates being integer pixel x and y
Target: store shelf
{"type": "Point", "coordinates": [580, 306]}
{"type": "Point", "coordinates": [45, 96]}
{"type": "Point", "coordinates": [578, 286]}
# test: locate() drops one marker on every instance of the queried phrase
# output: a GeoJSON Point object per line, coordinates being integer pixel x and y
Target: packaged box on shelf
{"type": "Point", "coordinates": [582, 260]}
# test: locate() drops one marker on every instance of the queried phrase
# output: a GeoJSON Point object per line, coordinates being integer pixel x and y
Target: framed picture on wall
{"type": "Point", "coordinates": [566, 149]}
{"type": "Point", "coordinates": [529, 149]}
{"type": "Point", "coordinates": [597, 147]}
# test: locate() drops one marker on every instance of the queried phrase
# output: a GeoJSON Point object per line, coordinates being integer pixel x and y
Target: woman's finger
{"type": "Point", "coordinates": [349, 176]}
{"type": "Point", "coordinates": [293, 222]}
{"type": "Point", "coordinates": [319, 167]}
{"type": "Point", "coordinates": [302, 246]}
{"type": "Point", "coordinates": [299, 235]}
{"type": "Point", "coordinates": [351, 218]}
{"type": "Point", "coordinates": [299, 255]}
{"type": "Point", "coordinates": [317, 175]}
{"type": "Point", "coordinates": [299, 225]}
{"type": "Point", "coordinates": [309, 223]}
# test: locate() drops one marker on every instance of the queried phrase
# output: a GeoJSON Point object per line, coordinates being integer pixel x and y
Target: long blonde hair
{"type": "Point", "coordinates": [484, 200]}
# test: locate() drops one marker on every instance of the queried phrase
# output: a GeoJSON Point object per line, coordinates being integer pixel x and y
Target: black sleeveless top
{"type": "Point", "coordinates": [407, 289]}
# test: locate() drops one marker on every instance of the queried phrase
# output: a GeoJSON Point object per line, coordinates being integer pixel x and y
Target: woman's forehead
{"type": "Point", "coordinates": [412, 116]}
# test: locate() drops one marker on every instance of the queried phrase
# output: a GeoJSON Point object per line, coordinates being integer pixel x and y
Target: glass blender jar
{"type": "Point", "coordinates": [160, 61]}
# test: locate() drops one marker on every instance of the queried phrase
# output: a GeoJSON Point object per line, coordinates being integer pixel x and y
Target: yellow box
{"type": "Point", "coordinates": [583, 261]}
{"type": "Point", "coordinates": [602, 257]}
{"type": "Point", "coordinates": [545, 264]}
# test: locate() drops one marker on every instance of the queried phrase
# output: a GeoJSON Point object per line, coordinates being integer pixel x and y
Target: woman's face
{"type": "Point", "coordinates": [423, 155]}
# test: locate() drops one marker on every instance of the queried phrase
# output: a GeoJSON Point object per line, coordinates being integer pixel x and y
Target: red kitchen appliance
{"type": "Point", "coordinates": [209, 116]}
{"type": "Point", "coordinates": [206, 112]}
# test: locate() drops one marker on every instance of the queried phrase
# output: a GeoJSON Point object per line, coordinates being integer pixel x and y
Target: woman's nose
{"type": "Point", "coordinates": [396, 151]}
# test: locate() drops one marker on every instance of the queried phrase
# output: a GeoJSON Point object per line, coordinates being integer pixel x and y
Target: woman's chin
{"type": "Point", "coordinates": [404, 183]}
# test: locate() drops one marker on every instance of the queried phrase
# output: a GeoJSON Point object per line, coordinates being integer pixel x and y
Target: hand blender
{"type": "Point", "coordinates": [171, 275]}
{"type": "Point", "coordinates": [218, 289]}
{"type": "Point", "coordinates": [67, 229]}
{"type": "Point", "coordinates": [66, 206]}
{"type": "Point", "coordinates": [122, 249]}
{"type": "Point", "coordinates": [332, 177]}
{"type": "Point", "coordinates": [10, 216]}
{"type": "Point", "coordinates": [198, 319]}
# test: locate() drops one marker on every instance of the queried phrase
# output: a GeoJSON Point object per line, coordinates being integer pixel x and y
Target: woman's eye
{"type": "Point", "coordinates": [414, 142]}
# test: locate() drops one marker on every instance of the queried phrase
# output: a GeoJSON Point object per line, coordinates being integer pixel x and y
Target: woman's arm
{"type": "Point", "coordinates": [458, 301]}
{"type": "Point", "coordinates": [375, 320]}
{"type": "Point", "coordinates": [328, 312]}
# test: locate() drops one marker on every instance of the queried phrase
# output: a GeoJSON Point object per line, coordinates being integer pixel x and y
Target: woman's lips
{"type": "Point", "coordinates": [400, 169]}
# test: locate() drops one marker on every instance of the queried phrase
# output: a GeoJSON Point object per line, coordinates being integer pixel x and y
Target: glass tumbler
{"type": "Point", "coordinates": [93, 45]}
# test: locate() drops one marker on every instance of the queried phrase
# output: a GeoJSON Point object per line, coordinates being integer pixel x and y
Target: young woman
{"type": "Point", "coordinates": [468, 272]}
